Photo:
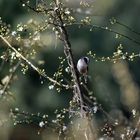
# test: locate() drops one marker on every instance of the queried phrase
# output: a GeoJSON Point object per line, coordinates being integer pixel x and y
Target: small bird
{"type": "Point", "coordinates": [82, 66]}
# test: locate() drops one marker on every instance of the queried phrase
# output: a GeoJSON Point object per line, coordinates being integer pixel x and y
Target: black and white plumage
{"type": "Point", "coordinates": [82, 65]}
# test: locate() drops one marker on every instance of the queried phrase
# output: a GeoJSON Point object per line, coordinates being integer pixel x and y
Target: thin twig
{"type": "Point", "coordinates": [10, 77]}
{"type": "Point", "coordinates": [26, 114]}
{"type": "Point", "coordinates": [100, 108]}
{"type": "Point", "coordinates": [129, 28]}
{"type": "Point", "coordinates": [19, 55]}
{"type": "Point", "coordinates": [106, 29]}
{"type": "Point", "coordinates": [35, 9]}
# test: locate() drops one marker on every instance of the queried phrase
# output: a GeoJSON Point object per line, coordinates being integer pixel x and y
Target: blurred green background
{"type": "Point", "coordinates": [116, 86]}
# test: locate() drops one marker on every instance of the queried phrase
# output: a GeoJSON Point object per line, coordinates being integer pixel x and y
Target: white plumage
{"type": "Point", "coordinates": [82, 65]}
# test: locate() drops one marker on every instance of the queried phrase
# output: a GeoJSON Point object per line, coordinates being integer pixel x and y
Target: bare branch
{"type": "Point", "coordinates": [10, 77]}
{"type": "Point", "coordinates": [19, 55]}
{"type": "Point", "coordinates": [70, 60]}
{"type": "Point", "coordinates": [106, 29]}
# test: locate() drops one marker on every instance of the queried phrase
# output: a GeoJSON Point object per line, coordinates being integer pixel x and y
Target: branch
{"type": "Point", "coordinates": [19, 55]}
{"type": "Point", "coordinates": [26, 114]}
{"type": "Point", "coordinates": [106, 29]}
{"type": "Point", "coordinates": [127, 27]}
{"type": "Point", "coordinates": [10, 77]}
{"type": "Point", "coordinates": [70, 59]}
{"type": "Point", "coordinates": [35, 9]}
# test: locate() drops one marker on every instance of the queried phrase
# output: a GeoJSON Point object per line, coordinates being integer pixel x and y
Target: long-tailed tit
{"type": "Point", "coordinates": [82, 66]}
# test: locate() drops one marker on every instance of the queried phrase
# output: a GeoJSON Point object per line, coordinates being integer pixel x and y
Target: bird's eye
{"type": "Point", "coordinates": [86, 59]}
